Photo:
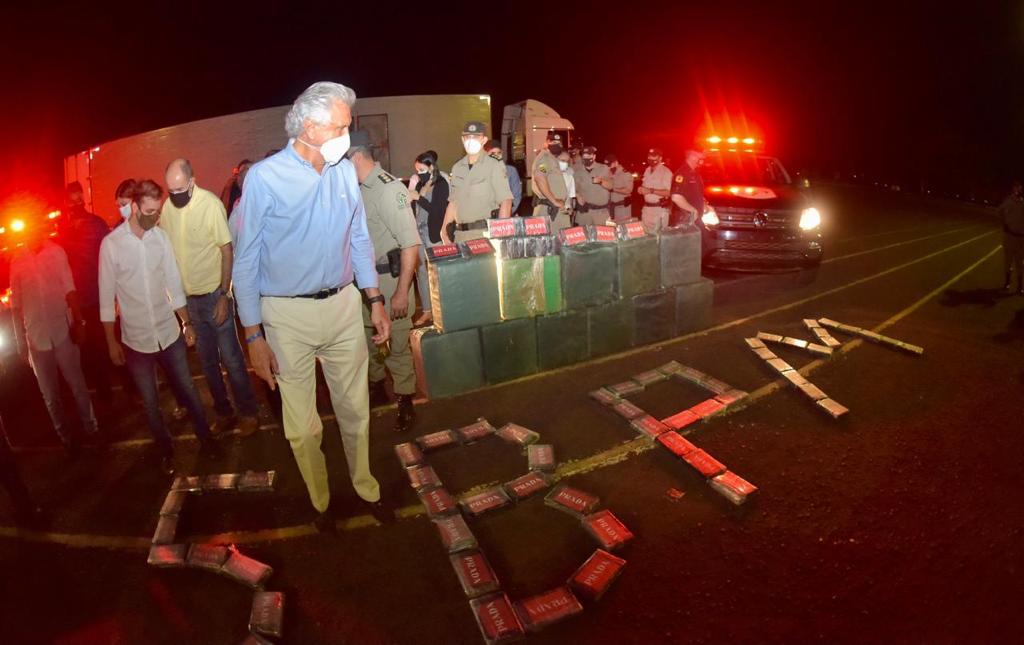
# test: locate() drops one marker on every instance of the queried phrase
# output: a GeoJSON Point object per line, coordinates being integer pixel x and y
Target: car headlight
{"type": "Point", "coordinates": [710, 217]}
{"type": "Point", "coordinates": [810, 218]}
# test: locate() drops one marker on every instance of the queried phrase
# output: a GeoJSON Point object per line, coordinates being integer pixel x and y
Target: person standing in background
{"type": "Point", "coordinates": [1011, 211]}
{"type": "Point", "coordinates": [428, 193]}
{"type": "Point", "coordinates": [232, 191]}
{"type": "Point", "coordinates": [687, 192]}
{"type": "Point", "coordinates": [515, 183]}
{"type": "Point", "coordinates": [655, 188]}
{"type": "Point", "coordinates": [547, 181]}
{"type": "Point", "coordinates": [622, 190]}
{"type": "Point", "coordinates": [593, 190]}
{"type": "Point", "coordinates": [479, 189]}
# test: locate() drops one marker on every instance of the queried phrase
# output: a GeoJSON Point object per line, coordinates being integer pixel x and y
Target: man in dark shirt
{"type": "Point", "coordinates": [1011, 211]}
{"type": "Point", "coordinates": [687, 192]}
{"type": "Point", "coordinates": [81, 233]}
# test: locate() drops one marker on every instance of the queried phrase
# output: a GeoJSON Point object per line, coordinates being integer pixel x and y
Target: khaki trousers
{"type": "Point", "coordinates": [654, 218]}
{"type": "Point", "coordinates": [462, 236]}
{"type": "Point", "coordinates": [596, 217]}
{"type": "Point", "coordinates": [300, 331]}
{"type": "Point", "coordinates": [399, 361]}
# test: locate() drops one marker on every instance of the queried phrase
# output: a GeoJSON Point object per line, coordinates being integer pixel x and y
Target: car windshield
{"type": "Point", "coordinates": [743, 169]}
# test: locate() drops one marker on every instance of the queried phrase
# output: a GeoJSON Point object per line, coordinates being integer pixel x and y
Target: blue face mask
{"type": "Point", "coordinates": [126, 210]}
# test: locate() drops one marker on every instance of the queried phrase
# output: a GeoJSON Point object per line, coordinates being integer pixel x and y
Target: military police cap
{"type": "Point", "coordinates": [589, 150]}
{"type": "Point", "coordinates": [474, 127]}
{"type": "Point", "coordinates": [359, 139]}
{"type": "Point", "coordinates": [610, 158]}
{"type": "Point", "coordinates": [554, 136]}
{"type": "Point", "coordinates": [655, 152]}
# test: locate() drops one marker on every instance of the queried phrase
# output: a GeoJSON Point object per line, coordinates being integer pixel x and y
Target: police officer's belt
{"type": "Point", "coordinates": [480, 224]}
{"type": "Point", "coordinates": [591, 207]}
{"type": "Point", "coordinates": [625, 202]}
{"type": "Point", "coordinates": [661, 203]}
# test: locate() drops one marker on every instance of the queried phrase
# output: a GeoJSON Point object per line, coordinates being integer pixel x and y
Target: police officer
{"type": "Point", "coordinates": [575, 161]}
{"type": "Point", "coordinates": [479, 189]}
{"type": "Point", "coordinates": [655, 187]}
{"type": "Point", "coordinates": [593, 189]}
{"type": "Point", "coordinates": [1011, 211]}
{"type": "Point", "coordinates": [396, 243]}
{"type": "Point", "coordinates": [621, 200]}
{"type": "Point", "coordinates": [687, 191]}
{"type": "Point", "coordinates": [550, 194]}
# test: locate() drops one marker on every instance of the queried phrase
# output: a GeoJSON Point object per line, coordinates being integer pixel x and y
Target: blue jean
{"type": "Point", "coordinates": [49, 365]}
{"type": "Point", "coordinates": [421, 272]}
{"type": "Point", "coordinates": [174, 362]}
{"type": "Point", "coordinates": [216, 344]}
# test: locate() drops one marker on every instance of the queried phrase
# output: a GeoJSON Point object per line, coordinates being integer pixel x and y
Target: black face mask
{"type": "Point", "coordinates": [555, 149]}
{"type": "Point", "coordinates": [424, 177]}
{"type": "Point", "coordinates": [653, 161]}
{"type": "Point", "coordinates": [588, 162]}
{"type": "Point", "coordinates": [148, 221]}
{"type": "Point", "coordinates": [180, 200]}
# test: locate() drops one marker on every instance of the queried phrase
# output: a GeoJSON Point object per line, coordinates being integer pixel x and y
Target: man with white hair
{"type": "Point", "coordinates": [301, 250]}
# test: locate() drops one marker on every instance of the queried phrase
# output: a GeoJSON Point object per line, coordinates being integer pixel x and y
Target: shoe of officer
{"type": "Point", "coordinates": [325, 523]}
{"type": "Point", "coordinates": [406, 413]}
{"type": "Point", "coordinates": [378, 394]}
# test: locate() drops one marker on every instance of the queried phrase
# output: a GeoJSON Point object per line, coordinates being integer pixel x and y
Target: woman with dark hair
{"type": "Point", "coordinates": [428, 193]}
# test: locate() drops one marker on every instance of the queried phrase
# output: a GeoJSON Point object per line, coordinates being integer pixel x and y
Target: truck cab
{"type": "Point", "coordinates": [524, 131]}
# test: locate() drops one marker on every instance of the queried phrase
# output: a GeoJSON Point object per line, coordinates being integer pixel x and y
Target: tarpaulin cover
{"type": "Point", "coordinates": [522, 288]}
{"type": "Point", "coordinates": [693, 305]}
{"type": "Point", "coordinates": [589, 274]}
{"type": "Point", "coordinates": [654, 316]}
{"type": "Point", "coordinates": [510, 349]}
{"type": "Point", "coordinates": [639, 266]}
{"type": "Point", "coordinates": [447, 364]}
{"type": "Point", "coordinates": [562, 339]}
{"type": "Point", "coordinates": [464, 293]}
{"type": "Point", "coordinates": [610, 327]}
{"type": "Point", "coordinates": [680, 255]}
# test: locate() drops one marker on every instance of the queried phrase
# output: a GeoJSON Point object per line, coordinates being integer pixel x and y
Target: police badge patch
{"type": "Point", "coordinates": [679, 179]}
{"type": "Point", "coordinates": [403, 199]}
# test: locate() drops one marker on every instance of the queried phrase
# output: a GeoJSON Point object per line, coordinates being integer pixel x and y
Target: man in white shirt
{"type": "Point", "coordinates": [138, 270]}
{"type": "Point", "coordinates": [42, 294]}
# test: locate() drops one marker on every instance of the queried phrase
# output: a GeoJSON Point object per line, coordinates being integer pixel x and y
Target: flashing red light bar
{"type": "Point", "coordinates": [749, 142]}
{"type": "Point", "coordinates": [748, 192]}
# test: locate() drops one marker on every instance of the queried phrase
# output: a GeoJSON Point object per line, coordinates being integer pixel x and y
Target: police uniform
{"type": "Point", "coordinates": [547, 164]}
{"type": "Point", "coordinates": [621, 205]}
{"type": "Point", "coordinates": [655, 210]}
{"type": "Point", "coordinates": [391, 225]}
{"type": "Point", "coordinates": [688, 183]}
{"type": "Point", "coordinates": [477, 190]}
{"type": "Point", "coordinates": [595, 196]}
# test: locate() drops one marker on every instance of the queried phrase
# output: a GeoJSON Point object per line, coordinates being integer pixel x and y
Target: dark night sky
{"type": "Point", "coordinates": [900, 91]}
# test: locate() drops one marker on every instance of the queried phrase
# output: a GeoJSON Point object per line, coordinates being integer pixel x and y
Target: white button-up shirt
{"type": "Point", "coordinates": [40, 283]}
{"type": "Point", "coordinates": [142, 276]}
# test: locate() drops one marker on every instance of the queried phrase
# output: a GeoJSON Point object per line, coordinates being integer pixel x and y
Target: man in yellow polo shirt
{"type": "Point", "coordinates": [196, 223]}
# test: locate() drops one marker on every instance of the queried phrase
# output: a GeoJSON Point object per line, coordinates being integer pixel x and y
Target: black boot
{"type": "Point", "coordinates": [406, 413]}
{"type": "Point", "coordinates": [378, 394]}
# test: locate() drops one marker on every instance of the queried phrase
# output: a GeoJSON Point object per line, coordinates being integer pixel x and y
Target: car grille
{"type": "Point", "coordinates": [771, 256]}
{"type": "Point", "coordinates": [743, 218]}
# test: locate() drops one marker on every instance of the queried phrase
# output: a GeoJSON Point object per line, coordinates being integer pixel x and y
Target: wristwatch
{"type": "Point", "coordinates": [377, 298]}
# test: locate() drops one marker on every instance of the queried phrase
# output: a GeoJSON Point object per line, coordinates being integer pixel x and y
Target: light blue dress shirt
{"type": "Point", "coordinates": [515, 184]}
{"type": "Point", "coordinates": [298, 232]}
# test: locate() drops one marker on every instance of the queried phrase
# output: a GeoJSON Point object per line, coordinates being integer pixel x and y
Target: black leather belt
{"type": "Point", "coordinates": [480, 224]}
{"type": "Point", "coordinates": [660, 204]}
{"type": "Point", "coordinates": [322, 294]}
{"type": "Point", "coordinates": [625, 202]}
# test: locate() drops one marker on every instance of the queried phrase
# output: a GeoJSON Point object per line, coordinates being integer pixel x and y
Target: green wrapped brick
{"type": "Point", "coordinates": [562, 339]}
{"type": "Point", "coordinates": [447, 364]}
{"type": "Point", "coordinates": [522, 287]}
{"type": "Point", "coordinates": [510, 349]}
{"type": "Point", "coordinates": [680, 255]}
{"type": "Point", "coordinates": [552, 284]}
{"type": "Point", "coordinates": [589, 274]}
{"type": "Point", "coordinates": [693, 305]}
{"type": "Point", "coordinates": [639, 266]}
{"type": "Point", "coordinates": [464, 293]}
{"type": "Point", "coordinates": [610, 327]}
{"type": "Point", "coordinates": [654, 317]}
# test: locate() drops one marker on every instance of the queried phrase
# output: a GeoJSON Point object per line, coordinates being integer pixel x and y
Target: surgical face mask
{"type": "Point", "coordinates": [555, 148]}
{"type": "Point", "coordinates": [333, 150]}
{"type": "Point", "coordinates": [180, 200]}
{"type": "Point", "coordinates": [148, 221]}
{"type": "Point", "coordinates": [126, 210]}
{"type": "Point", "coordinates": [563, 165]}
{"type": "Point", "coordinates": [472, 146]}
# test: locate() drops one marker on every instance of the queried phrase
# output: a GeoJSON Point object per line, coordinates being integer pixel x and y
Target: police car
{"type": "Point", "coordinates": [755, 217]}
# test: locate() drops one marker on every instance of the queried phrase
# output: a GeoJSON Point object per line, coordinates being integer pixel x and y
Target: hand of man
{"type": "Point", "coordinates": [264, 363]}
{"type": "Point", "coordinates": [380, 323]}
{"type": "Point", "coordinates": [444, 235]}
{"type": "Point", "coordinates": [559, 203]}
{"type": "Point", "coordinates": [116, 353]}
{"type": "Point", "coordinates": [220, 311]}
{"type": "Point", "coordinates": [399, 305]}
{"type": "Point", "coordinates": [643, 190]}
{"type": "Point", "coordinates": [190, 335]}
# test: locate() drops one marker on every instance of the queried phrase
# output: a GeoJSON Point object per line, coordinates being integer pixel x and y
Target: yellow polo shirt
{"type": "Point", "coordinates": [197, 232]}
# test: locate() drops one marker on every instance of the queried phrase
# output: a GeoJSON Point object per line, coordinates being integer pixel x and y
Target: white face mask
{"type": "Point", "coordinates": [126, 210]}
{"type": "Point", "coordinates": [331, 150]}
{"type": "Point", "coordinates": [563, 165]}
{"type": "Point", "coordinates": [472, 146]}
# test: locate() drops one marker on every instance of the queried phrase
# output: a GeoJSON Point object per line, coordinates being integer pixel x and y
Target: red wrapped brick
{"type": "Point", "coordinates": [714, 385]}
{"type": "Point", "coordinates": [733, 487]}
{"type": "Point", "coordinates": [779, 365]}
{"type": "Point", "coordinates": [730, 397]}
{"type": "Point", "coordinates": [833, 408]}
{"type": "Point", "coordinates": [572, 501]}
{"type": "Point", "coordinates": [166, 527]}
{"type": "Point", "coordinates": [690, 374]}
{"type": "Point", "coordinates": [794, 342]}
{"type": "Point", "coordinates": [794, 377]}
{"type": "Point", "coordinates": [515, 433]}
{"type": "Point", "coordinates": [267, 615]}
{"type": "Point", "coordinates": [541, 456]}
{"type": "Point", "coordinates": [496, 619]}
{"type": "Point", "coordinates": [474, 572]}
{"type": "Point", "coordinates": [676, 444]}
{"type": "Point", "coordinates": [649, 377]}
{"type": "Point", "coordinates": [246, 570]}
{"type": "Point", "coordinates": [707, 408]}
{"type": "Point", "coordinates": [774, 338]}
{"type": "Point", "coordinates": [167, 555]}
{"type": "Point", "coordinates": [605, 397]}
{"type": "Point", "coordinates": [220, 482]}
{"type": "Point", "coordinates": [436, 440]}
{"type": "Point", "coordinates": [596, 575]}
{"type": "Point", "coordinates": [754, 343]}
{"type": "Point", "coordinates": [422, 477]}
{"type": "Point", "coordinates": [627, 410]}
{"type": "Point", "coordinates": [476, 431]}
{"type": "Point", "coordinates": [173, 502]}
{"type": "Point", "coordinates": [488, 500]}
{"type": "Point", "coordinates": [522, 487]}
{"type": "Point", "coordinates": [704, 463]}
{"type": "Point", "coordinates": [187, 484]}
{"type": "Point", "coordinates": [455, 535]}
{"type": "Point", "coordinates": [681, 420]}
{"type": "Point", "coordinates": [649, 426]}
{"type": "Point", "coordinates": [261, 481]}
{"type": "Point", "coordinates": [812, 391]}
{"type": "Point", "coordinates": [625, 388]}
{"type": "Point", "coordinates": [670, 368]}
{"type": "Point", "coordinates": [537, 612]}
{"type": "Point", "coordinates": [437, 501]}
{"type": "Point", "coordinates": [408, 454]}
{"type": "Point", "coordinates": [208, 557]}
{"type": "Point", "coordinates": [609, 532]}
{"type": "Point", "coordinates": [765, 354]}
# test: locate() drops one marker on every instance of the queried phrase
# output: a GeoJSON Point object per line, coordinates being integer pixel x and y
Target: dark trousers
{"type": "Point", "coordinates": [174, 362]}
{"type": "Point", "coordinates": [1013, 254]}
{"type": "Point", "coordinates": [10, 477]}
{"type": "Point", "coordinates": [100, 373]}
{"type": "Point", "coordinates": [217, 344]}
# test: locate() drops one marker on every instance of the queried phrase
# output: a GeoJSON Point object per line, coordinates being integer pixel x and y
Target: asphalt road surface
{"type": "Point", "coordinates": [895, 524]}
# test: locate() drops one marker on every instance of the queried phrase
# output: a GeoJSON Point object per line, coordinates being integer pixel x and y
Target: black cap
{"type": "Point", "coordinates": [475, 127]}
{"type": "Point", "coordinates": [655, 152]}
{"type": "Point", "coordinates": [359, 139]}
{"type": "Point", "coordinates": [554, 136]}
{"type": "Point", "coordinates": [610, 158]}
{"type": "Point", "coordinates": [589, 150]}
